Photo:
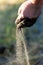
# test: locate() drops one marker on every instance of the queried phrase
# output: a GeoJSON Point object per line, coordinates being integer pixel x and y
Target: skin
{"type": "Point", "coordinates": [35, 2]}
{"type": "Point", "coordinates": [42, 2]}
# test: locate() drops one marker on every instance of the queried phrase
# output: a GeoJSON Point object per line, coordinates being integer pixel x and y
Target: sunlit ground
{"type": "Point", "coordinates": [8, 1]}
{"type": "Point", "coordinates": [4, 3]}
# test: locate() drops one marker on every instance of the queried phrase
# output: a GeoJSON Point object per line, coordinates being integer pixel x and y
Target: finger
{"type": "Point", "coordinates": [20, 24]}
{"type": "Point", "coordinates": [17, 21]}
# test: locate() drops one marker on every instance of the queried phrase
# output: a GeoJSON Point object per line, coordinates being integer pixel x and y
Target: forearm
{"type": "Point", "coordinates": [42, 2]}
{"type": "Point", "coordinates": [35, 1]}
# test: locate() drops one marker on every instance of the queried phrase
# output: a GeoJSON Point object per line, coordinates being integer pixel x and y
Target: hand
{"type": "Point", "coordinates": [25, 22]}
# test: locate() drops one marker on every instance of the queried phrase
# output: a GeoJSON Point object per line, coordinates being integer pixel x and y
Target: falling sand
{"type": "Point", "coordinates": [22, 57]}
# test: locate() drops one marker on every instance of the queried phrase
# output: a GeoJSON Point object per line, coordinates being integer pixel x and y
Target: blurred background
{"type": "Point", "coordinates": [8, 14]}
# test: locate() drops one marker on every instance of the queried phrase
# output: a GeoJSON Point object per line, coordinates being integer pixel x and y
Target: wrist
{"type": "Point", "coordinates": [34, 1]}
